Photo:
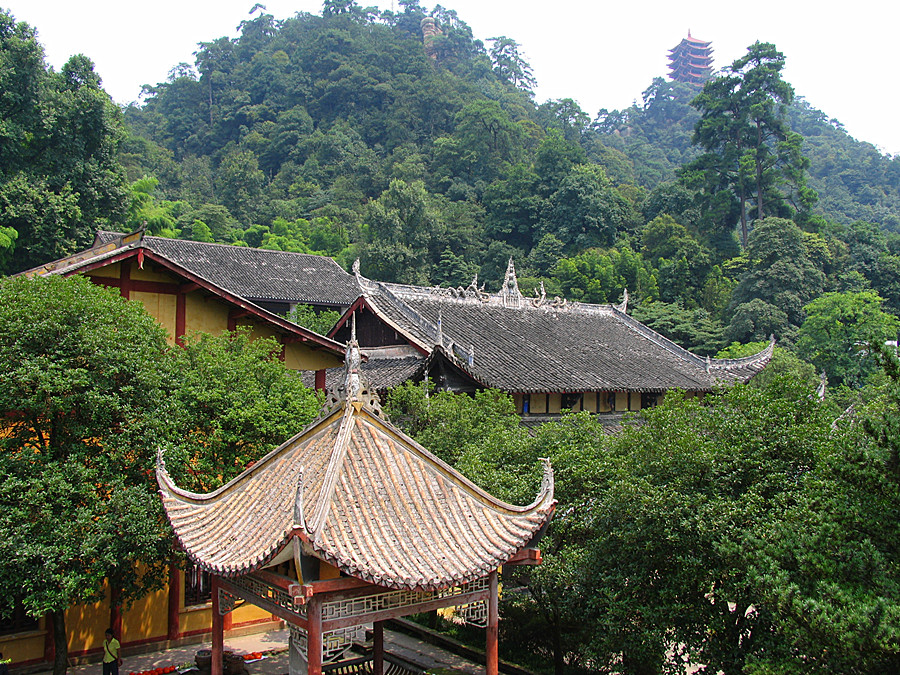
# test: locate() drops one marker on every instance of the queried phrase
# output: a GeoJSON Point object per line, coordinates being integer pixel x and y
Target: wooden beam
{"type": "Point", "coordinates": [174, 614]}
{"type": "Point", "coordinates": [527, 556]}
{"type": "Point", "coordinates": [332, 585]}
{"type": "Point", "coordinates": [125, 279]}
{"type": "Point", "coordinates": [180, 318]}
{"type": "Point", "coordinates": [314, 636]}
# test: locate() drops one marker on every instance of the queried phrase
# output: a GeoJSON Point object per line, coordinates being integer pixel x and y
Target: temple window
{"type": "Point", "coordinates": [197, 586]}
{"type": "Point", "coordinates": [16, 620]}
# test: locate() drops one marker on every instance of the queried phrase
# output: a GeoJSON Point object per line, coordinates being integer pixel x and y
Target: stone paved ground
{"type": "Point", "coordinates": [425, 656]}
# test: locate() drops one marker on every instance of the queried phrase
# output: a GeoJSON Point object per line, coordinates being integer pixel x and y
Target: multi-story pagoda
{"type": "Point", "coordinates": [352, 523]}
{"type": "Point", "coordinates": [691, 61]}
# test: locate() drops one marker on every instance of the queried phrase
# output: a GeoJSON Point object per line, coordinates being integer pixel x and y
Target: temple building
{"type": "Point", "coordinates": [351, 523]}
{"type": "Point", "coordinates": [187, 287]}
{"type": "Point", "coordinates": [549, 354]}
{"type": "Point", "coordinates": [690, 61]}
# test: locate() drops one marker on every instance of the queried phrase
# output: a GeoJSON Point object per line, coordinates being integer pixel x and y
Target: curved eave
{"type": "Point", "coordinates": [418, 524]}
{"type": "Point", "coordinates": [212, 528]}
{"type": "Point", "coordinates": [742, 369]}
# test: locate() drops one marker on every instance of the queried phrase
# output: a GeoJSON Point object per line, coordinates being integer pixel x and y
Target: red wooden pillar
{"type": "Point", "coordinates": [378, 648]}
{"type": "Point", "coordinates": [115, 613]}
{"type": "Point", "coordinates": [320, 380]}
{"type": "Point", "coordinates": [492, 651]}
{"type": "Point", "coordinates": [313, 636]}
{"type": "Point", "coordinates": [218, 628]}
{"type": "Point", "coordinates": [174, 614]}
{"type": "Point", "coordinates": [125, 279]}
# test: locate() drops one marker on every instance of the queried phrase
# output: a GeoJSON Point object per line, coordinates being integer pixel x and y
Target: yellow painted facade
{"type": "Point", "coordinates": [593, 402]}
{"type": "Point", "coordinates": [203, 313]}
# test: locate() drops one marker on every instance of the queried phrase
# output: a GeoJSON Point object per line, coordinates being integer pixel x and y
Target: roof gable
{"type": "Point", "coordinates": [133, 246]}
{"type": "Point", "coordinates": [362, 496]}
{"type": "Point", "coordinates": [258, 274]}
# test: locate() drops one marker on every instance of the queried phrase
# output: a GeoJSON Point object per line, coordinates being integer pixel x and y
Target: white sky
{"type": "Point", "coordinates": [841, 57]}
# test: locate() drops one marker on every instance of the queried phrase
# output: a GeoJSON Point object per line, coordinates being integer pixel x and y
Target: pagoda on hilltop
{"type": "Point", "coordinates": [691, 61]}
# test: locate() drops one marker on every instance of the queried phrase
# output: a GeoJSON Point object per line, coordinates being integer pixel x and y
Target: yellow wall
{"type": "Point", "coordinates": [634, 401]}
{"type": "Point", "coordinates": [160, 306]}
{"type": "Point", "coordinates": [204, 314]}
{"type": "Point", "coordinates": [22, 647]}
{"type": "Point", "coordinates": [85, 625]}
{"type": "Point", "coordinates": [298, 357]}
{"type": "Point", "coordinates": [113, 271]}
{"type": "Point", "coordinates": [554, 403]}
{"type": "Point", "coordinates": [147, 618]}
{"type": "Point", "coordinates": [589, 402]}
{"type": "Point", "coordinates": [538, 403]}
{"type": "Point", "coordinates": [621, 400]}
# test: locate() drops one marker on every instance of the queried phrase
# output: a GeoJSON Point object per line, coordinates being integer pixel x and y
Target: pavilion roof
{"type": "Point", "coordinates": [363, 497]}
{"type": "Point", "coordinates": [535, 345]}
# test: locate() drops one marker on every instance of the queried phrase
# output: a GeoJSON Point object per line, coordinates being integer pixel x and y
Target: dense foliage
{"type": "Point", "coordinates": [84, 384]}
{"type": "Point", "coordinates": [60, 178]}
{"type": "Point", "coordinates": [89, 390]}
{"type": "Point", "coordinates": [754, 531]}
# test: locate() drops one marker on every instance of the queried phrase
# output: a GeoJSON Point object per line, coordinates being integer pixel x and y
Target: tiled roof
{"type": "Point", "coordinates": [532, 345]}
{"type": "Point", "coordinates": [119, 247]}
{"type": "Point", "coordinates": [381, 374]}
{"type": "Point", "coordinates": [258, 274]}
{"type": "Point", "coordinates": [366, 498]}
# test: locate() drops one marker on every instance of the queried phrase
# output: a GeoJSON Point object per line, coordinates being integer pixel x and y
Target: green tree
{"type": "Point", "coordinates": [235, 401]}
{"type": "Point", "coordinates": [677, 519]}
{"type": "Point", "coordinates": [586, 210]}
{"type": "Point", "coordinates": [750, 150]}
{"type": "Point", "coordinates": [784, 272]}
{"type": "Point", "coordinates": [320, 321]}
{"type": "Point", "coordinates": [83, 394]}
{"type": "Point", "coordinates": [838, 331]}
{"type": "Point", "coordinates": [59, 174]}
{"type": "Point", "coordinates": [510, 65]}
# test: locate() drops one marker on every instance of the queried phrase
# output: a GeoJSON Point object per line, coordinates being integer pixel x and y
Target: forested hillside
{"type": "Point", "coordinates": [404, 140]}
{"type": "Point", "coordinates": [752, 531]}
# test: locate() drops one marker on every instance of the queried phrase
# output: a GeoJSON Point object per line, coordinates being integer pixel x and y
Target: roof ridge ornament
{"type": "Point", "coordinates": [510, 293]}
{"type": "Point", "coordinates": [823, 386]}
{"type": "Point", "coordinates": [623, 306]}
{"type": "Point", "coordinates": [539, 298]}
{"type": "Point", "coordinates": [353, 389]}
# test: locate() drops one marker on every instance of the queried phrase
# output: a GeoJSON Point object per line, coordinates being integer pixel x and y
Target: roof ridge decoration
{"type": "Point", "coordinates": [727, 364]}
{"type": "Point", "coordinates": [623, 306]}
{"type": "Point", "coordinates": [353, 390]}
{"type": "Point", "coordinates": [510, 293]}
